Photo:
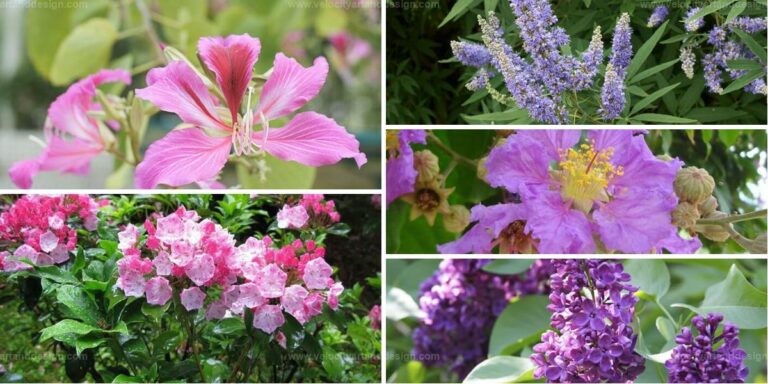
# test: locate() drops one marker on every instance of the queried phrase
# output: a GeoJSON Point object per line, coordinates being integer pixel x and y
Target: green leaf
{"type": "Point", "coordinates": [744, 80]}
{"type": "Point", "coordinates": [645, 51]}
{"type": "Point", "coordinates": [67, 326]}
{"type": "Point", "coordinates": [753, 45]}
{"type": "Point", "coordinates": [490, 5]}
{"type": "Point", "coordinates": [282, 175]}
{"type": "Point", "coordinates": [499, 369]}
{"type": "Point", "coordinates": [652, 71]}
{"type": "Point", "coordinates": [411, 372]}
{"type": "Point", "coordinates": [744, 64]}
{"type": "Point", "coordinates": [155, 311]}
{"type": "Point", "coordinates": [736, 299]}
{"type": "Point", "coordinates": [46, 28]}
{"type": "Point", "coordinates": [332, 362]}
{"type": "Point", "coordinates": [401, 305]}
{"type": "Point", "coordinates": [712, 114]}
{"type": "Point", "coordinates": [649, 275]}
{"type": "Point", "coordinates": [661, 118]}
{"type": "Point", "coordinates": [666, 327]}
{"type": "Point", "coordinates": [459, 8]}
{"type": "Point", "coordinates": [88, 341]}
{"type": "Point", "coordinates": [637, 91]}
{"type": "Point", "coordinates": [712, 7]}
{"type": "Point", "coordinates": [520, 324]}
{"type": "Point", "coordinates": [652, 97]}
{"type": "Point", "coordinates": [339, 229]}
{"type": "Point", "coordinates": [56, 274]}
{"type": "Point", "coordinates": [735, 11]}
{"type": "Point", "coordinates": [79, 304]}
{"type": "Point", "coordinates": [509, 115]}
{"type": "Point", "coordinates": [508, 266]}
{"type": "Point", "coordinates": [215, 371]}
{"type": "Point", "coordinates": [84, 51]}
{"type": "Point", "coordinates": [229, 326]}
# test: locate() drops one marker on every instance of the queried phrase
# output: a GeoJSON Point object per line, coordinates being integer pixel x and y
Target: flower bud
{"type": "Point", "coordinates": [759, 246]}
{"type": "Point", "coordinates": [456, 219]}
{"type": "Point", "coordinates": [482, 171]}
{"type": "Point", "coordinates": [693, 185]}
{"type": "Point", "coordinates": [426, 164]}
{"type": "Point", "coordinates": [708, 206]}
{"type": "Point", "coordinates": [685, 215]}
{"type": "Point", "coordinates": [713, 232]}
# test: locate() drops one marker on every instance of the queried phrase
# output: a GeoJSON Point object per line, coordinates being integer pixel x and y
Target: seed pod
{"type": "Point", "coordinates": [713, 232]}
{"type": "Point", "coordinates": [759, 246]}
{"type": "Point", "coordinates": [693, 185]}
{"type": "Point", "coordinates": [457, 219]}
{"type": "Point", "coordinates": [426, 164]}
{"type": "Point", "coordinates": [685, 215]}
{"type": "Point", "coordinates": [708, 206]}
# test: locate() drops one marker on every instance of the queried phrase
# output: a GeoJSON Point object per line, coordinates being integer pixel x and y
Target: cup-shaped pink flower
{"type": "Point", "coordinates": [250, 296]}
{"type": "Point", "coordinates": [293, 302]}
{"type": "Point", "coordinates": [317, 274]}
{"type": "Point", "coordinates": [158, 291]}
{"type": "Point", "coordinates": [333, 295]}
{"type": "Point", "coordinates": [199, 153]}
{"type": "Point", "coordinates": [271, 281]}
{"type": "Point", "coordinates": [192, 298]}
{"type": "Point", "coordinates": [201, 269]}
{"type": "Point", "coordinates": [48, 241]}
{"type": "Point", "coordinates": [73, 138]}
{"type": "Point", "coordinates": [268, 318]}
{"type": "Point", "coordinates": [292, 217]}
{"type": "Point", "coordinates": [132, 283]}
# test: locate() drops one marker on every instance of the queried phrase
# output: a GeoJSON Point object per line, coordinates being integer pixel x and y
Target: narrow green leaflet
{"type": "Point", "coordinates": [651, 98]}
{"type": "Point", "coordinates": [652, 71]}
{"type": "Point", "coordinates": [744, 79]}
{"type": "Point", "coordinates": [521, 324]}
{"type": "Point", "coordinates": [645, 50]}
{"type": "Point", "coordinates": [735, 11]}
{"type": "Point", "coordinates": [736, 299]}
{"type": "Point", "coordinates": [508, 266]}
{"type": "Point", "coordinates": [744, 64]}
{"type": "Point", "coordinates": [711, 8]}
{"type": "Point", "coordinates": [512, 114]}
{"type": "Point", "coordinates": [502, 369]}
{"type": "Point", "coordinates": [661, 118]}
{"type": "Point", "coordinates": [753, 45]}
{"type": "Point", "coordinates": [651, 276]}
{"type": "Point", "coordinates": [712, 114]}
{"type": "Point", "coordinates": [458, 9]}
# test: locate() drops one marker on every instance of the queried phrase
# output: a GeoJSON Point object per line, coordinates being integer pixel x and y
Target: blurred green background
{"type": "Point", "coordinates": [46, 45]}
{"type": "Point", "coordinates": [736, 159]}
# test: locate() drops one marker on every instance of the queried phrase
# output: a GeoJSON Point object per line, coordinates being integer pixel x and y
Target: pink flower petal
{"type": "Point", "coordinates": [192, 298]}
{"type": "Point", "coordinates": [201, 269]}
{"type": "Point", "coordinates": [290, 86]}
{"type": "Point", "coordinates": [158, 291]}
{"type": "Point", "coordinates": [293, 302]}
{"type": "Point", "coordinates": [271, 281]}
{"type": "Point", "coordinates": [177, 88]}
{"type": "Point", "coordinates": [317, 273]}
{"type": "Point", "coordinates": [311, 139]}
{"type": "Point", "coordinates": [292, 217]}
{"type": "Point", "coordinates": [231, 59]}
{"type": "Point", "coordinates": [183, 156]}
{"type": "Point", "coordinates": [268, 318]}
{"type": "Point", "coordinates": [48, 241]}
{"type": "Point", "coordinates": [69, 156]}
{"type": "Point", "coordinates": [22, 172]}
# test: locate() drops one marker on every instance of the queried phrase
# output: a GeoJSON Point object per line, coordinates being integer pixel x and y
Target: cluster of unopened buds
{"type": "Point", "coordinates": [199, 261]}
{"type": "Point", "coordinates": [43, 229]}
{"type": "Point", "coordinates": [312, 210]}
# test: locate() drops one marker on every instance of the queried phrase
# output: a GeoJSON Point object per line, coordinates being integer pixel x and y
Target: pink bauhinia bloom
{"type": "Point", "coordinates": [73, 138]}
{"type": "Point", "coordinates": [199, 153]}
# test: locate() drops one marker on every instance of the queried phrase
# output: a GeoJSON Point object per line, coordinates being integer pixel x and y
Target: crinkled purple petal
{"type": "Point", "coordinates": [522, 160]}
{"type": "Point", "coordinates": [401, 174]}
{"type": "Point", "coordinates": [490, 221]}
{"type": "Point", "coordinates": [559, 228]}
{"type": "Point", "coordinates": [676, 244]}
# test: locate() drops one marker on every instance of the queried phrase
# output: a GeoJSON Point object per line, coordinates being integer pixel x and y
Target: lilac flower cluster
{"type": "Point", "coordinates": [460, 303]}
{"type": "Point", "coordinates": [612, 95]}
{"type": "Point", "coordinates": [724, 50]}
{"type": "Point", "coordinates": [538, 83]}
{"type": "Point", "coordinates": [658, 16]}
{"type": "Point", "coordinates": [401, 174]}
{"type": "Point", "coordinates": [696, 359]}
{"type": "Point", "coordinates": [593, 306]}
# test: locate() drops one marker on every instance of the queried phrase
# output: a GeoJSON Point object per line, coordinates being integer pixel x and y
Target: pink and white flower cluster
{"type": "Point", "coordinates": [43, 229]}
{"type": "Point", "coordinates": [312, 210]}
{"type": "Point", "coordinates": [200, 258]}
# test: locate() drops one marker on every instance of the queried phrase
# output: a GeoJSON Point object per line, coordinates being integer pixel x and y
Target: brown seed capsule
{"type": "Point", "coordinates": [708, 206]}
{"type": "Point", "coordinates": [426, 164]}
{"type": "Point", "coordinates": [713, 232]}
{"type": "Point", "coordinates": [759, 246]}
{"type": "Point", "coordinates": [685, 215]}
{"type": "Point", "coordinates": [693, 185]}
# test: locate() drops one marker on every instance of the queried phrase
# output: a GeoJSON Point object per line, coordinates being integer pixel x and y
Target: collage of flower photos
{"type": "Point", "coordinates": [383, 191]}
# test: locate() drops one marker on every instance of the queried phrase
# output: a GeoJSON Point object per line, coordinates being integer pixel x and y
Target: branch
{"type": "Point", "coordinates": [436, 140]}
{"type": "Point", "coordinates": [761, 214]}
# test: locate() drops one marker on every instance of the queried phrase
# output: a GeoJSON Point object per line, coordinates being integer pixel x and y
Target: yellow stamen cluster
{"type": "Point", "coordinates": [585, 173]}
{"type": "Point", "coordinates": [393, 142]}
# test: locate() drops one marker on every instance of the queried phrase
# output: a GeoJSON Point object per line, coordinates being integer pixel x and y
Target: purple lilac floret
{"type": "Point", "coordinates": [593, 339]}
{"type": "Point", "coordinates": [460, 302]}
{"type": "Point", "coordinates": [658, 16]}
{"type": "Point", "coordinates": [571, 191]}
{"type": "Point", "coordinates": [694, 25]}
{"type": "Point", "coordinates": [401, 174]}
{"type": "Point", "coordinates": [706, 356]}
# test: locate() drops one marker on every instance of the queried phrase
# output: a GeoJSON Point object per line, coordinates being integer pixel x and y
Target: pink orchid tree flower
{"type": "Point", "coordinates": [73, 138]}
{"type": "Point", "coordinates": [200, 152]}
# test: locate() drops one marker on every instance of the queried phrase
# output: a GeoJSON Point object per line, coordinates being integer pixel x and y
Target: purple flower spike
{"type": "Point", "coordinates": [621, 51]}
{"type": "Point", "coordinates": [594, 341]}
{"type": "Point", "coordinates": [612, 95]}
{"type": "Point", "coordinates": [471, 54]}
{"type": "Point", "coordinates": [694, 25]}
{"type": "Point", "coordinates": [658, 16]}
{"type": "Point", "coordinates": [460, 303]}
{"type": "Point", "coordinates": [749, 24]}
{"type": "Point", "coordinates": [695, 359]}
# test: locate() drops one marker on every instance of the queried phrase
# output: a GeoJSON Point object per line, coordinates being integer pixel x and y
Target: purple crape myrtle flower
{"type": "Point", "coordinates": [401, 174]}
{"type": "Point", "coordinates": [749, 24]}
{"type": "Point", "coordinates": [471, 54]}
{"type": "Point", "coordinates": [592, 305]}
{"type": "Point", "coordinates": [658, 16]}
{"type": "Point", "coordinates": [707, 357]}
{"type": "Point", "coordinates": [460, 302]}
{"type": "Point", "coordinates": [609, 187]}
{"type": "Point", "coordinates": [694, 25]}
